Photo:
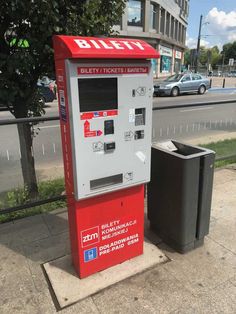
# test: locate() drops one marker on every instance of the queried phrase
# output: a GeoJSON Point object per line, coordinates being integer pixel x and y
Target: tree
{"type": "Point", "coordinates": [187, 59]}
{"type": "Point", "coordinates": [215, 57]}
{"type": "Point", "coordinates": [26, 30]}
{"type": "Point", "coordinates": [229, 51]}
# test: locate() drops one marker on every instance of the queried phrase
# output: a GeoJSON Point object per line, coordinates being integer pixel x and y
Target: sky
{"type": "Point", "coordinates": [219, 22]}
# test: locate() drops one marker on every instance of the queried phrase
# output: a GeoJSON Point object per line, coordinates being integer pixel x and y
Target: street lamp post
{"type": "Point", "coordinates": [198, 44]}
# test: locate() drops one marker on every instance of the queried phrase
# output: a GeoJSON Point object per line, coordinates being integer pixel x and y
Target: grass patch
{"type": "Point", "coordinates": [19, 196]}
{"type": "Point", "coordinates": [223, 149]}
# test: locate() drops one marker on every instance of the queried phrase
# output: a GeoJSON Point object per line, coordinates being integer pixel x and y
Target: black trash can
{"type": "Point", "coordinates": [179, 194]}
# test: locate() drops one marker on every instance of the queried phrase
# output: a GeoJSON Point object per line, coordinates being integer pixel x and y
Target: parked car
{"type": "Point", "coordinates": [47, 94]}
{"type": "Point", "coordinates": [182, 83]}
{"type": "Point", "coordinates": [232, 74]}
{"type": "Point", "coordinates": [47, 88]}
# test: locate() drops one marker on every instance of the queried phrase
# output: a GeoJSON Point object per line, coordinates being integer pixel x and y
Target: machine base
{"type": "Point", "coordinates": [106, 230]}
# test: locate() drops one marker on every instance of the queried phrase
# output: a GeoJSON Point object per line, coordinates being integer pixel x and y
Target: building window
{"type": "Point", "coordinates": [135, 12]}
{"type": "Point", "coordinates": [176, 30]}
{"type": "Point", "coordinates": [162, 26]}
{"type": "Point", "coordinates": [184, 35]}
{"type": "Point", "coordinates": [153, 16]}
{"type": "Point", "coordinates": [165, 65]}
{"type": "Point", "coordinates": [172, 27]}
{"type": "Point", "coordinates": [179, 32]}
{"type": "Point", "coordinates": [168, 24]}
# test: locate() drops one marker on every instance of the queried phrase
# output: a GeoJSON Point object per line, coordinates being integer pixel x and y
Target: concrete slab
{"type": "Point", "coordinates": [39, 252]}
{"type": "Point", "coordinates": [202, 269]}
{"type": "Point", "coordinates": [56, 221]}
{"type": "Point", "coordinates": [223, 201]}
{"type": "Point", "coordinates": [154, 291]}
{"type": "Point", "coordinates": [233, 281]}
{"type": "Point", "coordinates": [223, 232]}
{"type": "Point", "coordinates": [220, 300]}
{"type": "Point", "coordinates": [63, 277]}
{"type": "Point", "coordinates": [46, 306]}
{"type": "Point", "coordinates": [28, 229]}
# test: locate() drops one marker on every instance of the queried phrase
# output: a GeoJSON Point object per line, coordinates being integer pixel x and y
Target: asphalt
{"type": "Point", "coordinates": [201, 281]}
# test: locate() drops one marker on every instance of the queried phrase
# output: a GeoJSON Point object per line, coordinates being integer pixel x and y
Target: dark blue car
{"type": "Point", "coordinates": [47, 94]}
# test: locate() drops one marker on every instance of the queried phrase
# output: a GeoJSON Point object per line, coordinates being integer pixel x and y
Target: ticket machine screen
{"type": "Point", "coordinates": [97, 94]}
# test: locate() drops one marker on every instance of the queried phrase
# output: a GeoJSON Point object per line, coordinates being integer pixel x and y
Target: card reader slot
{"type": "Point", "coordinates": [106, 181]}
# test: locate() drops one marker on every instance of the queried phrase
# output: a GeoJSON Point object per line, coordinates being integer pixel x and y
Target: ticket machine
{"type": "Point", "coordinates": [105, 88]}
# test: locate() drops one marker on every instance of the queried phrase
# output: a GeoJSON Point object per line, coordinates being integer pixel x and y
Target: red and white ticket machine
{"type": "Point", "coordinates": [105, 88]}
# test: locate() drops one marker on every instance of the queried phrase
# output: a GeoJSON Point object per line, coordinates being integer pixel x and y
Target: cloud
{"type": "Point", "coordinates": [222, 25]}
{"type": "Point", "coordinates": [192, 42]}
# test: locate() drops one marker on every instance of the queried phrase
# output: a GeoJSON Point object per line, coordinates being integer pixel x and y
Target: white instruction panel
{"type": "Point", "coordinates": [110, 107]}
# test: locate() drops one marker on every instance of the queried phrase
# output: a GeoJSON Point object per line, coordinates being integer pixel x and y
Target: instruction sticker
{"type": "Point", "coordinates": [141, 91]}
{"type": "Point", "coordinates": [129, 176]}
{"type": "Point", "coordinates": [98, 146]}
{"type": "Point", "coordinates": [131, 115]}
{"type": "Point", "coordinates": [62, 104]}
{"type": "Point", "coordinates": [128, 135]}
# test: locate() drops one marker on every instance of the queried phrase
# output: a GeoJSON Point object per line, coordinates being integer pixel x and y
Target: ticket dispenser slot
{"type": "Point", "coordinates": [109, 147]}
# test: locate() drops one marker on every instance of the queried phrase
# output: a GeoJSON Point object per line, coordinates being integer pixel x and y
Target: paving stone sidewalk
{"type": "Point", "coordinates": [202, 281]}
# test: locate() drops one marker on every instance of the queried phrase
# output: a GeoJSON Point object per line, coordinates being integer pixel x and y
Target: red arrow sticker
{"type": "Point", "coordinates": [90, 133]}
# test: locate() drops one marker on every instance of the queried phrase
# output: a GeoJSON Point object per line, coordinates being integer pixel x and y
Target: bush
{"type": "Point", "coordinates": [20, 196]}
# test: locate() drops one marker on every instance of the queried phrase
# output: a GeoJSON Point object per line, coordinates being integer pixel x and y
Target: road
{"type": "Point", "coordinates": [180, 123]}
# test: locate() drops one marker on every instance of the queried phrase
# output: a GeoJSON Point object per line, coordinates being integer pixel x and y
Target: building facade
{"type": "Point", "coordinates": [163, 24]}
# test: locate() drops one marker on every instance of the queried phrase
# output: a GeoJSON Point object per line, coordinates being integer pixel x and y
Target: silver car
{"type": "Point", "coordinates": [182, 83]}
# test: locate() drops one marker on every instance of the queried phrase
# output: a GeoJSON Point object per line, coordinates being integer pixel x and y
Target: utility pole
{"type": "Point", "coordinates": [198, 44]}
{"type": "Point", "coordinates": [223, 62]}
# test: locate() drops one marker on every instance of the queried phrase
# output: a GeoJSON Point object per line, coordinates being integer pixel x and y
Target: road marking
{"type": "Point", "coordinates": [43, 149]}
{"type": "Point", "coordinates": [8, 157]}
{"type": "Point", "coordinates": [49, 126]}
{"type": "Point", "coordinates": [196, 109]}
{"type": "Point", "coordinates": [54, 148]}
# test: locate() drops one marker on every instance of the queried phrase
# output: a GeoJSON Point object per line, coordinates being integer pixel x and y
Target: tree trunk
{"type": "Point", "coordinates": [27, 159]}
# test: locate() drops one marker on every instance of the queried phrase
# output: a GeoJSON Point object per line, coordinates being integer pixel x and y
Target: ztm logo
{"type": "Point", "coordinates": [90, 236]}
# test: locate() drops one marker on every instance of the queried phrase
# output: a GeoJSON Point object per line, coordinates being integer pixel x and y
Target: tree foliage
{"type": "Point", "coordinates": [229, 51]}
{"type": "Point", "coordinates": [212, 55]}
{"type": "Point", "coordinates": [26, 30]}
{"type": "Point", "coordinates": [34, 22]}
{"type": "Point", "coordinates": [207, 56]}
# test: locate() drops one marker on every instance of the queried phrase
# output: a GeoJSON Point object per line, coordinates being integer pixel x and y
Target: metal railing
{"type": "Point", "coordinates": [55, 118]}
